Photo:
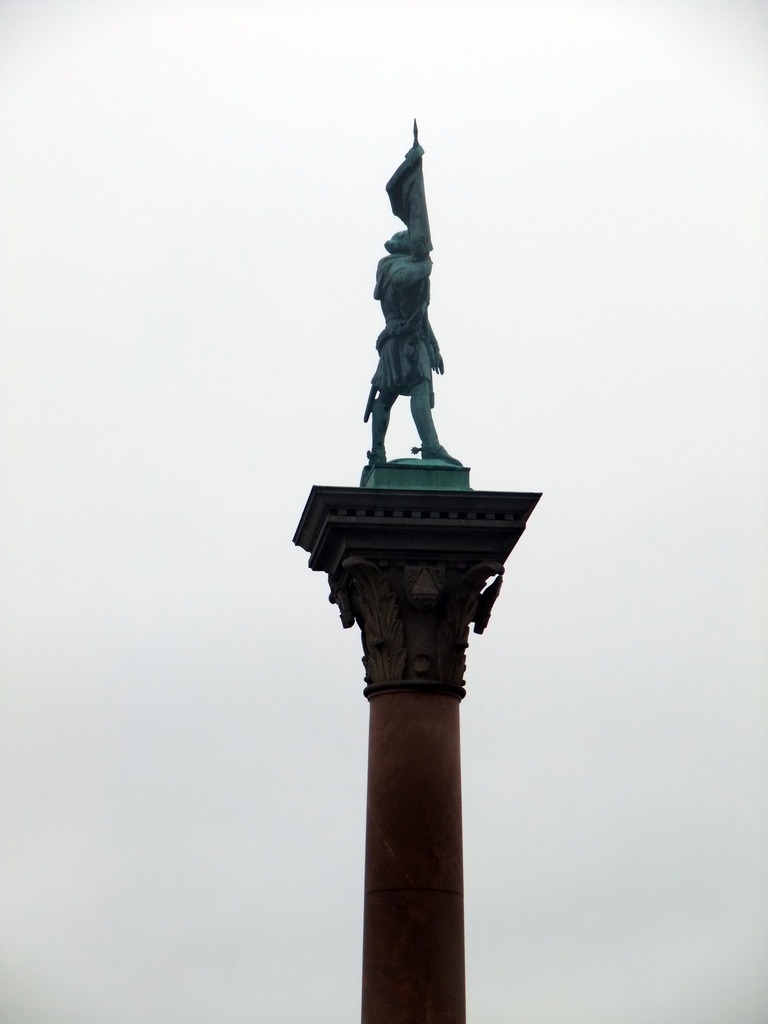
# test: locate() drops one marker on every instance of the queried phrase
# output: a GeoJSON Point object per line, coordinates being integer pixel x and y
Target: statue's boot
{"type": "Point", "coordinates": [422, 417]}
{"type": "Point", "coordinates": [436, 451]}
{"type": "Point", "coordinates": [377, 456]}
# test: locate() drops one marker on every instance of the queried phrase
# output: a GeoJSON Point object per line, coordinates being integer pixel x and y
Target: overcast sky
{"type": "Point", "coordinates": [192, 208]}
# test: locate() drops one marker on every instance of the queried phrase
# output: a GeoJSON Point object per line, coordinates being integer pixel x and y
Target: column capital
{"type": "Point", "coordinates": [412, 568]}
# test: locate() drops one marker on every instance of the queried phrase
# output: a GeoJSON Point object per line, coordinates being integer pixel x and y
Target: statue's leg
{"type": "Point", "coordinates": [382, 405]}
{"type": "Point", "coordinates": [425, 425]}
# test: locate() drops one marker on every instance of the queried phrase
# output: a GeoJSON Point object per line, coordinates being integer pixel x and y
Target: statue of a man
{"type": "Point", "coordinates": [407, 347]}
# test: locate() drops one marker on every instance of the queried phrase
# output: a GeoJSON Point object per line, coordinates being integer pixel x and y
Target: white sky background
{"type": "Point", "coordinates": [192, 210]}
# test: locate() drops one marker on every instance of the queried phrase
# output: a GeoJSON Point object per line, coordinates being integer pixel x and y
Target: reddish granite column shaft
{"type": "Point", "coordinates": [413, 934]}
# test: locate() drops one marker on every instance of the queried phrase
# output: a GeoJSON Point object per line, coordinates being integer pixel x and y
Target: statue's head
{"type": "Point", "coordinates": [399, 243]}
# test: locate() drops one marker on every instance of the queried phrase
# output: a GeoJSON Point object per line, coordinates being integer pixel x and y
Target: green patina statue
{"type": "Point", "coordinates": [407, 347]}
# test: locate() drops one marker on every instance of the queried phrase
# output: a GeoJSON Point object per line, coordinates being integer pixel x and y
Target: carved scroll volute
{"type": "Point", "coordinates": [466, 602]}
{"type": "Point", "coordinates": [364, 594]}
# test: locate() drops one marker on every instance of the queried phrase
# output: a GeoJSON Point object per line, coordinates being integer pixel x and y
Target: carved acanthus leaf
{"type": "Point", "coordinates": [485, 602]}
{"type": "Point", "coordinates": [339, 596]}
{"type": "Point", "coordinates": [378, 615]}
{"type": "Point", "coordinates": [465, 603]}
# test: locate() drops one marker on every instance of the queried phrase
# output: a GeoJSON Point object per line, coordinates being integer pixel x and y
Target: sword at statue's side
{"type": "Point", "coordinates": [369, 406]}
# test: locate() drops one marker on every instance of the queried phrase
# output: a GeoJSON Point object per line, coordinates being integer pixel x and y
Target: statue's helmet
{"type": "Point", "coordinates": [400, 242]}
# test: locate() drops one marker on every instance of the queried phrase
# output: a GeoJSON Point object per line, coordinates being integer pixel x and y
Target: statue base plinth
{"type": "Point", "coordinates": [417, 475]}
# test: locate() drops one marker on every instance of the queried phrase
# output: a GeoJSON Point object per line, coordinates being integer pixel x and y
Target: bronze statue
{"type": "Point", "coordinates": [407, 347]}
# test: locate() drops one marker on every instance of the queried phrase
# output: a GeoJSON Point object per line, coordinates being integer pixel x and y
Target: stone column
{"type": "Point", "coordinates": [414, 570]}
{"type": "Point", "coordinates": [413, 931]}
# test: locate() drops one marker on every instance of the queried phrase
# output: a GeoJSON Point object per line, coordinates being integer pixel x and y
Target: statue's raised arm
{"type": "Point", "coordinates": [407, 347]}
